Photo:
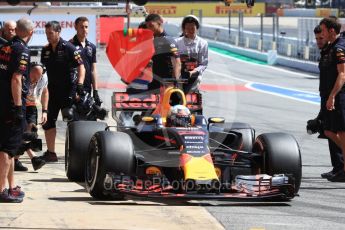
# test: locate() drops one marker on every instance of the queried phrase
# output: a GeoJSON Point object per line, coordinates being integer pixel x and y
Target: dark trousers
{"type": "Point", "coordinates": [336, 156]}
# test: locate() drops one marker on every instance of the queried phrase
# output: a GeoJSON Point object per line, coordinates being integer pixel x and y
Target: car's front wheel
{"type": "Point", "coordinates": [109, 152]}
{"type": "Point", "coordinates": [280, 154]}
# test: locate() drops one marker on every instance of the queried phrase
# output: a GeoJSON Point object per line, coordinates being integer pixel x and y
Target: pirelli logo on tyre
{"type": "Point", "coordinates": [161, 9]}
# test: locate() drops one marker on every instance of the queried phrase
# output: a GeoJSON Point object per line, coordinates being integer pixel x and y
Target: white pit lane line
{"type": "Point", "coordinates": [297, 95]}
{"type": "Point", "coordinates": [267, 66]}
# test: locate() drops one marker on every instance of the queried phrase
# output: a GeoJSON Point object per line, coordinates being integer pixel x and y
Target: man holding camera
{"type": "Point", "coordinates": [14, 67]}
{"type": "Point", "coordinates": [66, 74]}
{"type": "Point", "coordinates": [316, 124]}
{"type": "Point", "coordinates": [332, 88]}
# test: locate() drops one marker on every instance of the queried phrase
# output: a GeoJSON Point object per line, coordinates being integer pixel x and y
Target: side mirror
{"type": "Point", "coordinates": [213, 120]}
{"type": "Point", "coordinates": [216, 120]}
{"type": "Point", "coordinates": [147, 119]}
{"type": "Point", "coordinates": [152, 120]}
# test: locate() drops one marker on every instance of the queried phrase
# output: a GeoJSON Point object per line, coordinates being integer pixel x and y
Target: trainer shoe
{"type": "Point", "coordinates": [37, 163]}
{"type": "Point", "coordinates": [18, 166]}
{"type": "Point", "coordinates": [338, 177]}
{"type": "Point", "coordinates": [16, 192]}
{"type": "Point", "coordinates": [327, 175]}
{"type": "Point", "coordinates": [6, 197]}
{"type": "Point", "coordinates": [49, 156]}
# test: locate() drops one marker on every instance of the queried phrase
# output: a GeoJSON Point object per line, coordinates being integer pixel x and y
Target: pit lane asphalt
{"type": "Point", "coordinates": [320, 205]}
{"type": "Point", "coordinates": [54, 203]}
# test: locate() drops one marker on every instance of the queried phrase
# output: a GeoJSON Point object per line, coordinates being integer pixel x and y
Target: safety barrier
{"type": "Point", "coordinates": [319, 12]}
{"type": "Point", "coordinates": [285, 46]}
{"type": "Point", "coordinates": [218, 37]}
{"type": "Point", "coordinates": [307, 66]}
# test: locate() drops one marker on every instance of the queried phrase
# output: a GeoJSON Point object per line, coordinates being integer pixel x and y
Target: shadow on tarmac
{"type": "Point", "coordinates": [326, 185]}
{"type": "Point", "coordinates": [204, 204]}
{"type": "Point", "coordinates": [57, 228]}
{"type": "Point", "coordinates": [72, 199]}
{"type": "Point", "coordinates": [158, 202]}
{"type": "Point", "coordinates": [58, 180]}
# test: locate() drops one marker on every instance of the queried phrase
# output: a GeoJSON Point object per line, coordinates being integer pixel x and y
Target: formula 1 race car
{"type": "Point", "coordinates": [209, 159]}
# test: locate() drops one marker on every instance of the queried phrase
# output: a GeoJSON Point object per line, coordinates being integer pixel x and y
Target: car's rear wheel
{"type": "Point", "coordinates": [280, 155]}
{"type": "Point", "coordinates": [109, 152]}
{"type": "Point", "coordinates": [78, 136]}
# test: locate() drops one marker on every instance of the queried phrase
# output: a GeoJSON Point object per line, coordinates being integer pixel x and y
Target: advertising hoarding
{"type": "Point", "coordinates": [66, 22]}
{"type": "Point", "coordinates": [208, 9]}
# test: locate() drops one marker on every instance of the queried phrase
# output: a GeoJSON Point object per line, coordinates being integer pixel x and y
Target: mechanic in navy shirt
{"type": "Point", "coordinates": [66, 72]}
{"type": "Point", "coordinates": [332, 88]}
{"type": "Point", "coordinates": [8, 32]}
{"type": "Point", "coordinates": [166, 60]}
{"type": "Point", "coordinates": [335, 152]}
{"type": "Point", "coordinates": [14, 70]}
{"type": "Point", "coordinates": [87, 52]}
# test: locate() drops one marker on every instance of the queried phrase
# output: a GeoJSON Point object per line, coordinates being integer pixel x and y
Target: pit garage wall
{"type": "Point", "coordinates": [99, 28]}
{"type": "Point", "coordinates": [66, 21]}
{"type": "Point", "coordinates": [208, 9]}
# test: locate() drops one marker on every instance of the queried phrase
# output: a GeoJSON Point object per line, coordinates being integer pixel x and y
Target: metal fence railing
{"type": "Point", "coordinates": [285, 46]}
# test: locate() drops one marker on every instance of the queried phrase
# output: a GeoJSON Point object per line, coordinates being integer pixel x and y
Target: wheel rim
{"type": "Point", "coordinates": [260, 149]}
{"type": "Point", "coordinates": [67, 149]}
{"type": "Point", "coordinates": [92, 165]}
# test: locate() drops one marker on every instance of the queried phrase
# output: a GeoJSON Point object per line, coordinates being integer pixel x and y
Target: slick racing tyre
{"type": "Point", "coordinates": [78, 136]}
{"type": "Point", "coordinates": [109, 152]}
{"type": "Point", "coordinates": [280, 155]}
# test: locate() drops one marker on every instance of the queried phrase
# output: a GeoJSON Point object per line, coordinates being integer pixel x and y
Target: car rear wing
{"type": "Point", "coordinates": [122, 101]}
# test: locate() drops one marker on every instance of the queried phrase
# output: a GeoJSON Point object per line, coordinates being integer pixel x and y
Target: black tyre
{"type": "Point", "coordinates": [109, 152]}
{"type": "Point", "coordinates": [247, 132]}
{"type": "Point", "coordinates": [78, 136]}
{"type": "Point", "coordinates": [280, 155]}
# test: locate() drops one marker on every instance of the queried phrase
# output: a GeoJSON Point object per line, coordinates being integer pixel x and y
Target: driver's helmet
{"type": "Point", "coordinates": [179, 116]}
